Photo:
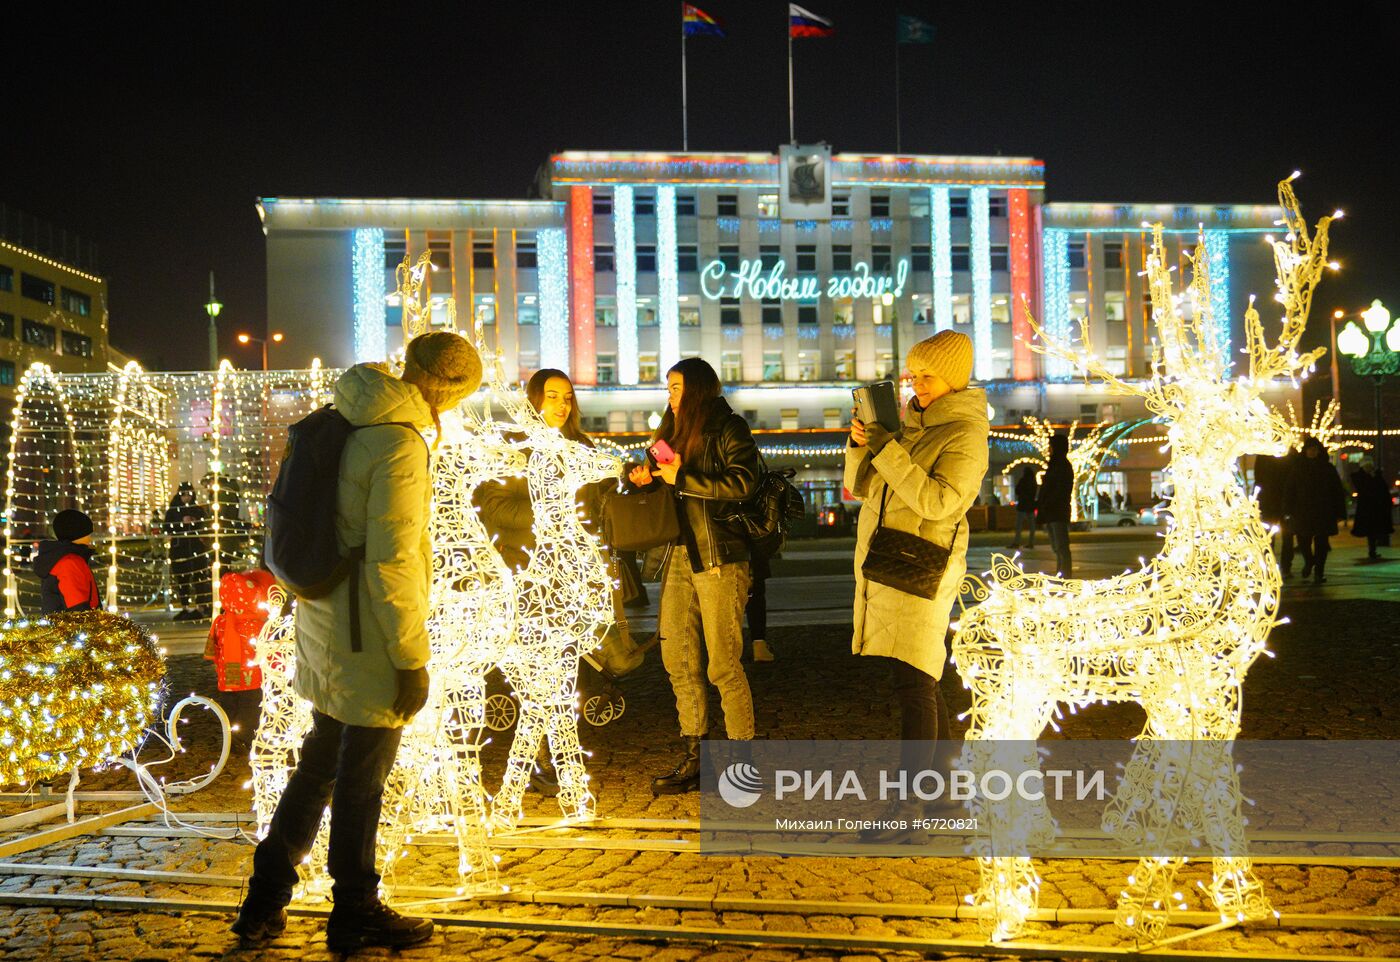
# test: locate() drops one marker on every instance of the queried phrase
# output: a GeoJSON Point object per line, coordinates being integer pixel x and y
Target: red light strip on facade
{"type": "Point", "coordinates": [1022, 291]}
{"type": "Point", "coordinates": [581, 340]}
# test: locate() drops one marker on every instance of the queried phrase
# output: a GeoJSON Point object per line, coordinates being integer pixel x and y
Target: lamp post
{"type": "Point", "coordinates": [248, 338]}
{"type": "Point", "coordinates": [1374, 353]}
{"type": "Point", "coordinates": [212, 309]}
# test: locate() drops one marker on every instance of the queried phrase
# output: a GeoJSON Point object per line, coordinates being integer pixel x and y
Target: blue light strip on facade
{"type": "Point", "coordinates": [668, 286]}
{"type": "Point", "coordinates": [1218, 253]}
{"type": "Point", "coordinates": [625, 255]}
{"type": "Point", "coordinates": [367, 269]}
{"type": "Point", "coordinates": [983, 365]}
{"type": "Point", "coordinates": [942, 258]}
{"type": "Point", "coordinates": [1056, 288]}
{"type": "Point", "coordinates": [552, 252]}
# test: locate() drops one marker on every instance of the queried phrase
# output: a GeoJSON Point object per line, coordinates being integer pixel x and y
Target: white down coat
{"type": "Point", "coordinates": [383, 503]}
{"type": "Point", "coordinates": [932, 470]}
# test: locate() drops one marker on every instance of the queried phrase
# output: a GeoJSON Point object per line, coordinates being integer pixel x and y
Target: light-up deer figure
{"type": "Point", "coordinates": [1176, 636]}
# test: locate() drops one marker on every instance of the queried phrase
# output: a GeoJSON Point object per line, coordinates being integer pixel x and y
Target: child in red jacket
{"type": "Point", "coordinates": [65, 580]}
{"type": "Point", "coordinates": [243, 597]}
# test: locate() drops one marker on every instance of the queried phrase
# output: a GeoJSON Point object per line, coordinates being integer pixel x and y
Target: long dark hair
{"type": "Point", "coordinates": [534, 393]}
{"type": "Point", "coordinates": [685, 430]}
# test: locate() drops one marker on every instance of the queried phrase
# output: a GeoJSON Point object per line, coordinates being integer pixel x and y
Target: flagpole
{"type": "Point", "coordinates": [897, 128]}
{"type": "Point", "coordinates": [792, 135]}
{"type": "Point", "coordinates": [685, 116]}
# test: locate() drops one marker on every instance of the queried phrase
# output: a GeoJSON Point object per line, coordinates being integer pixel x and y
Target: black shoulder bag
{"type": "Point", "coordinates": [904, 561]}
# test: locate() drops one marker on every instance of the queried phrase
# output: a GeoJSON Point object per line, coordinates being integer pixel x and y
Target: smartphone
{"type": "Point", "coordinates": [662, 452]}
{"type": "Point", "coordinates": [878, 403]}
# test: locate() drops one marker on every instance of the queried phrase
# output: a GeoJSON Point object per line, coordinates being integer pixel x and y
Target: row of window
{"type": "Point", "coordinates": [46, 336]}
{"type": "Point", "coordinates": [46, 292]}
{"type": "Point", "coordinates": [727, 205]}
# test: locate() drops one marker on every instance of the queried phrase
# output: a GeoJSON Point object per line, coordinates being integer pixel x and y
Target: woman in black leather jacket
{"type": "Point", "coordinates": [705, 575]}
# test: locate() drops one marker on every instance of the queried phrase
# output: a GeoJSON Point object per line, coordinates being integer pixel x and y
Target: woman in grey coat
{"type": "Point", "coordinates": [927, 475]}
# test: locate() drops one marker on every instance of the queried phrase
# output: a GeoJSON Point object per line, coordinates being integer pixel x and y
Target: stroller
{"type": "Point", "coordinates": [604, 701]}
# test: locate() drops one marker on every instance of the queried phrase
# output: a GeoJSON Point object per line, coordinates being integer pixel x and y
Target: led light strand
{"type": "Point", "coordinates": [551, 247]}
{"type": "Point", "coordinates": [942, 240]}
{"type": "Point", "coordinates": [980, 227]}
{"type": "Point", "coordinates": [668, 285]}
{"type": "Point", "coordinates": [1056, 287]}
{"type": "Point", "coordinates": [367, 270]}
{"type": "Point", "coordinates": [625, 266]}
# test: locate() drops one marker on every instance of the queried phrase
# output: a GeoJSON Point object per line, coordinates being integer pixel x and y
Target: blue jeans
{"type": "Point", "coordinates": [1026, 518]}
{"type": "Point", "coordinates": [701, 625]}
{"type": "Point", "coordinates": [1058, 532]}
{"type": "Point", "coordinates": [344, 765]}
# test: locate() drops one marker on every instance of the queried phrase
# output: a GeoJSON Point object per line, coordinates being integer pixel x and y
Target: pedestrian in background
{"type": "Point", "coordinates": [189, 553]}
{"type": "Point", "coordinates": [921, 479]}
{"type": "Point", "coordinates": [1270, 479]}
{"type": "Point", "coordinates": [1373, 520]}
{"type": "Point", "coordinates": [705, 575]}
{"type": "Point", "coordinates": [1026, 488]}
{"type": "Point", "coordinates": [66, 582]}
{"type": "Point", "coordinates": [756, 611]}
{"type": "Point", "coordinates": [1053, 503]}
{"type": "Point", "coordinates": [1313, 502]}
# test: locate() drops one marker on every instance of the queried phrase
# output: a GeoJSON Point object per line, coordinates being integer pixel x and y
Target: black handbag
{"type": "Point", "coordinates": [637, 521]}
{"type": "Point", "coordinates": [904, 561]}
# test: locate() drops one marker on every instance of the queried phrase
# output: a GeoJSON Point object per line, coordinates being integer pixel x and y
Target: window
{"type": "Point", "coordinates": [7, 373]}
{"type": "Point", "coordinates": [646, 312]}
{"type": "Point", "coordinates": [962, 257]}
{"type": "Point", "coordinates": [689, 317]}
{"type": "Point", "coordinates": [840, 205]}
{"type": "Point", "coordinates": [808, 366]}
{"type": "Point", "coordinates": [790, 419]}
{"type": "Point", "coordinates": [996, 205]}
{"type": "Point", "coordinates": [484, 309]}
{"type": "Point", "coordinates": [648, 367]}
{"type": "Point", "coordinates": [7, 278]}
{"type": "Point", "coordinates": [76, 302]}
{"type": "Point", "coordinates": [36, 288]}
{"type": "Point", "coordinates": [1089, 412]}
{"type": "Point", "coordinates": [880, 258]}
{"type": "Point", "coordinates": [833, 418]}
{"type": "Point", "coordinates": [727, 205]}
{"type": "Point", "coordinates": [602, 204]}
{"type": "Point", "coordinates": [841, 312]}
{"type": "Point", "coordinates": [731, 366]}
{"type": "Point", "coordinates": [1001, 257]}
{"type": "Point", "coordinates": [1001, 311]}
{"type": "Point", "coordinates": [440, 253]}
{"type": "Point", "coordinates": [395, 250]}
{"type": "Point", "coordinates": [39, 335]}
{"type": "Point", "coordinates": [1114, 309]}
{"type": "Point", "coordinates": [1113, 255]}
{"type": "Point", "coordinates": [1076, 255]}
{"type": "Point", "coordinates": [685, 205]}
{"type": "Point", "coordinates": [772, 365]}
{"type": "Point", "coordinates": [767, 205]}
{"type": "Point", "coordinates": [525, 257]}
{"type": "Point", "coordinates": [807, 314]}
{"type": "Point", "coordinates": [729, 256]}
{"type": "Point", "coordinates": [607, 368]}
{"type": "Point", "coordinates": [605, 311]}
{"type": "Point", "coordinates": [646, 258]}
{"type": "Point", "coordinates": [527, 310]}
{"type": "Point", "coordinates": [7, 325]}
{"type": "Point", "coordinates": [769, 255]}
{"type": "Point", "coordinates": [962, 309]}
{"type": "Point", "coordinates": [77, 345]}
{"type": "Point", "coordinates": [806, 257]}
{"type": "Point", "coordinates": [772, 312]}
{"type": "Point", "coordinates": [957, 205]}
{"type": "Point", "coordinates": [729, 311]}
{"type": "Point", "coordinates": [923, 309]}
{"type": "Point", "coordinates": [884, 364]}
{"type": "Point", "coordinates": [845, 367]}
{"type": "Point", "coordinates": [918, 203]}
{"type": "Point", "coordinates": [603, 261]}
{"type": "Point", "coordinates": [644, 204]}
{"type": "Point", "coordinates": [529, 364]}
{"type": "Point", "coordinates": [840, 257]}
{"type": "Point", "coordinates": [483, 254]}
{"type": "Point", "coordinates": [921, 258]}
{"type": "Point", "coordinates": [879, 205]}
{"type": "Point", "coordinates": [687, 259]}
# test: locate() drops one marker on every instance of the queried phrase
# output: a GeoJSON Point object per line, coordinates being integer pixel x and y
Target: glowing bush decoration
{"type": "Point", "coordinates": [1176, 637]}
{"type": "Point", "coordinates": [77, 690]}
{"type": "Point", "coordinates": [368, 273]}
{"type": "Point", "coordinates": [942, 241]}
{"type": "Point", "coordinates": [1217, 244]}
{"type": "Point", "coordinates": [1056, 287]}
{"type": "Point", "coordinates": [552, 251]}
{"type": "Point", "coordinates": [1324, 427]}
{"type": "Point", "coordinates": [625, 264]}
{"type": "Point", "coordinates": [981, 284]}
{"type": "Point", "coordinates": [668, 286]}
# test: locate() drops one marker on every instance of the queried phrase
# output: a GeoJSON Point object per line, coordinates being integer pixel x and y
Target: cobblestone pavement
{"type": "Point", "coordinates": [1333, 677]}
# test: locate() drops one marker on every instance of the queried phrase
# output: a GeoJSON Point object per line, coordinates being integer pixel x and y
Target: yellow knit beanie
{"type": "Point", "coordinates": [947, 354]}
{"type": "Point", "coordinates": [444, 366]}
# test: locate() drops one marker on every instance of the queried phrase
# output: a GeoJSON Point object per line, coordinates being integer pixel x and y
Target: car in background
{"type": "Point", "coordinates": [1128, 518]}
{"type": "Point", "coordinates": [835, 520]}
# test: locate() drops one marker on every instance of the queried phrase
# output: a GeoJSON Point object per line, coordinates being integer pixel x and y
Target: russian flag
{"type": "Point", "coordinates": [698, 23]}
{"type": "Point", "coordinates": [805, 23]}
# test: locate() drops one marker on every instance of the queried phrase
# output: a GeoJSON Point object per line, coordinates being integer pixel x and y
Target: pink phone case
{"type": "Point", "coordinates": [662, 452]}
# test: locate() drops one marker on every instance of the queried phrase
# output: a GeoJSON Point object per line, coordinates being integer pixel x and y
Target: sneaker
{"type": "Point", "coordinates": [761, 651]}
{"type": "Point", "coordinates": [355, 926]}
{"type": "Point", "coordinates": [258, 921]}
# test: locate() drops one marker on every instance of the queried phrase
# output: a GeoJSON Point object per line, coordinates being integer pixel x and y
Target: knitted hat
{"type": "Point", "coordinates": [70, 525]}
{"type": "Point", "coordinates": [444, 366]}
{"type": "Point", "coordinates": [947, 354]}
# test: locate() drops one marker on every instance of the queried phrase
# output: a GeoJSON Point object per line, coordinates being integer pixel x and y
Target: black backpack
{"type": "Point", "coordinates": [765, 518]}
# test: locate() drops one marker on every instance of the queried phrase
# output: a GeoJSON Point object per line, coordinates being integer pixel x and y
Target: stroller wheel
{"type": "Point", "coordinates": [597, 711]}
{"type": "Point", "coordinates": [500, 712]}
{"type": "Point", "coordinates": [618, 704]}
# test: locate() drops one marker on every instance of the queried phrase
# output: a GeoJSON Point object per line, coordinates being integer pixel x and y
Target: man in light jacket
{"type": "Point", "coordinates": [926, 475]}
{"type": "Point", "coordinates": [362, 699]}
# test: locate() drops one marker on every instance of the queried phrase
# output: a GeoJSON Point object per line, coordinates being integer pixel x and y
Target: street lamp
{"type": "Point", "coordinates": [248, 338]}
{"type": "Point", "coordinates": [1374, 353]}
{"type": "Point", "coordinates": [212, 309]}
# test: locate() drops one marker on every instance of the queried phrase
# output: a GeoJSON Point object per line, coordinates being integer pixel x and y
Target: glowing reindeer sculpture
{"type": "Point", "coordinates": [1176, 636]}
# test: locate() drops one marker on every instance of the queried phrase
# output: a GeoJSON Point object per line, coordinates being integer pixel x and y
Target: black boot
{"type": "Point", "coordinates": [685, 777]}
{"type": "Point", "coordinates": [355, 926]}
{"type": "Point", "coordinates": [258, 921]}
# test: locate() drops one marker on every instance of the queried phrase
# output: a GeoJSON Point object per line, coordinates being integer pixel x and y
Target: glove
{"type": "Point", "coordinates": [413, 692]}
{"type": "Point", "coordinates": [876, 437]}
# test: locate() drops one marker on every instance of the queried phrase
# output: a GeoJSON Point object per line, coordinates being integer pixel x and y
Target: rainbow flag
{"type": "Point", "coordinates": [698, 23]}
{"type": "Point", "coordinates": [805, 23]}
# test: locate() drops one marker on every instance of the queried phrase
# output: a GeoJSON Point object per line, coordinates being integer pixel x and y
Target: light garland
{"type": "Point", "coordinates": [668, 284]}
{"type": "Point", "coordinates": [625, 266]}
{"type": "Point", "coordinates": [367, 272]}
{"type": "Point", "coordinates": [941, 231]}
{"type": "Point", "coordinates": [552, 255]}
{"type": "Point", "coordinates": [79, 689]}
{"type": "Point", "coordinates": [979, 206]}
{"type": "Point", "coordinates": [1325, 428]}
{"type": "Point", "coordinates": [1217, 244]}
{"type": "Point", "coordinates": [1055, 243]}
{"type": "Point", "coordinates": [1176, 636]}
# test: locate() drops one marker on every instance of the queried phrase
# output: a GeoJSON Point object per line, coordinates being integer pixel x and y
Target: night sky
{"type": "Point", "coordinates": [153, 135]}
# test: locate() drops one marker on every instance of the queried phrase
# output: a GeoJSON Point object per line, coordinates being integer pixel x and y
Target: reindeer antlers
{"type": "Point", "coordinates": [1299, 262]}
{"type": "Point", "coordinates": [1084, 360]}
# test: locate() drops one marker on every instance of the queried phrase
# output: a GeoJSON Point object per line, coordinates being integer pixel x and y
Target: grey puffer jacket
{"type": "Point", "coordinates": [930, 472]}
